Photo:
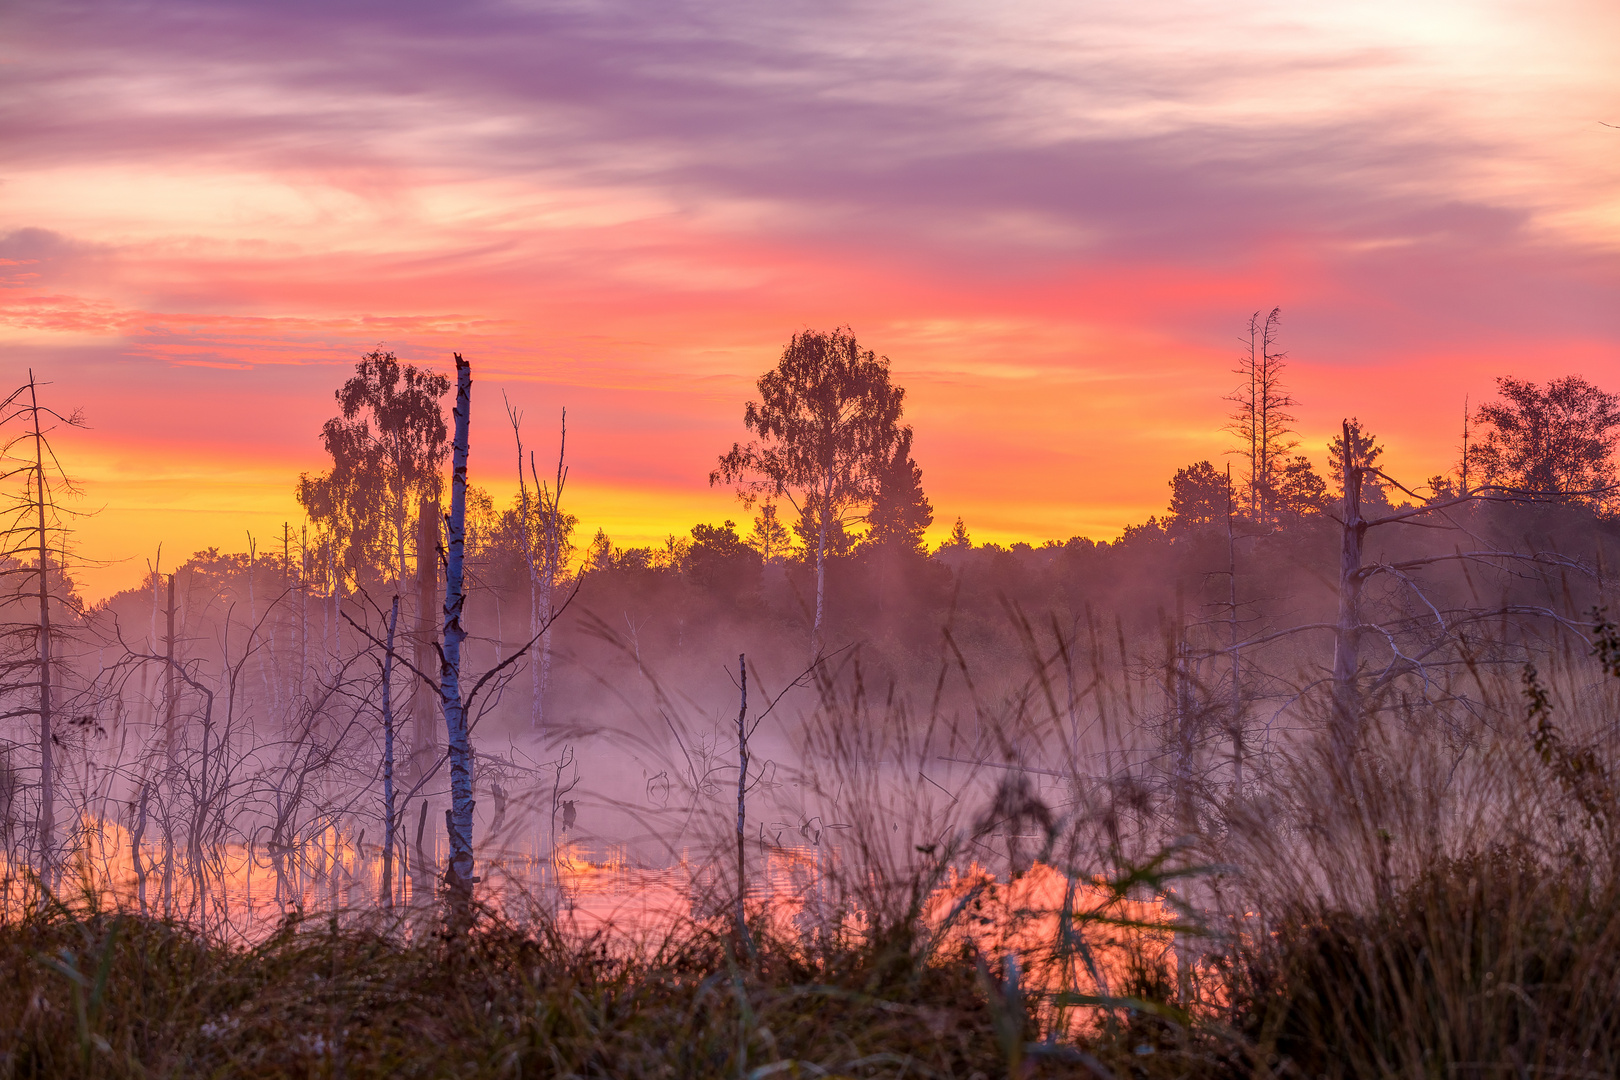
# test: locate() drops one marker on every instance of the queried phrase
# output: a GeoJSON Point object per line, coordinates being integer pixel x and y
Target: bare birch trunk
{"type": "Point", "coordinates": [459, 818]}
{"type": "Point", "coordinates": [424, 736]}
{"type": "Point", "coordinates": [1232, 626]}
{"type": "Point", "coordinates": [1347, 635]}
{"type": "Point", "coordinates": [821, 566]}
{"type": "Point", "coordinates": [46, 825]}
{"type": "Point", "coordinates": [528, 561]}
{"type": "Point", "coordinates": [742, 802]}
{"type": "Point", "coordinates": [388, 758]}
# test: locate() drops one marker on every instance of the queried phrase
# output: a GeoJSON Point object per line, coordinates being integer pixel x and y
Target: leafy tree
{"type": "Point", "coordinates": [387, 448]}
{"type": "Point", "coordinates": [1558, 438]}
{"type": "Point", "coordinates": [509, 540]}
{"type": "Point", "coordinates": [718, 560]}
{"type": "Point", "coordinates": [672, 556]}
{"type": "Point", "coordinates": [1149, 532]}
{"type": "Point", "coordinates": [900, 512]}
{"type": "Point", "coordinates": [1199, 498]}
{"type": "Point", "coordinates": [826, 423]}
{"type": "Point", "coordinates": [837, 543]}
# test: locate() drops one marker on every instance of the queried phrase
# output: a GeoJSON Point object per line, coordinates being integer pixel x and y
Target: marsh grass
{"type": "Point", "coordinates": [1446, 904]}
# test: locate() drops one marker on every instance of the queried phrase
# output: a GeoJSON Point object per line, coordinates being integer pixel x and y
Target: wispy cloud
{"type": "Point", "coordinates": [1052, 215]}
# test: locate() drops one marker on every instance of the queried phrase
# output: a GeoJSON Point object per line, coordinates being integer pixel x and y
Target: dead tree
{"type": "Point", "coordinates": [543, 530]}
{"type": "Point", "coordinates": [1260, 419]}
{"type": "Point", "coordinates": [424, 703]}
{"type": "Point", "coordinates": [1355, 572]}
{"type": "Point", "coordinates": [527, 540]}
{"type": "Point", "coordinates": [35, 520]}
{"type": "Point", "coordinates": [742, 800]}
{"type": "Point", "coordinates": [456, 698]}
{"type": "Point", "coordinates": [1418, 644]}
{"type": "Point", "coordinates": [459, 818]}
{"type": "Point", "coordinates": [549, 505]}
{"type": "Point", "coordinates": [389, 817]}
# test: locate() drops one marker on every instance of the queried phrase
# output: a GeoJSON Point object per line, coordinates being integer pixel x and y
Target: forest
{"type": "Point", "coordinates": [1312, 774]}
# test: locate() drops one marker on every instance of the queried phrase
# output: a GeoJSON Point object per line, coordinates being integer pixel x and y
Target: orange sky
{"type": "Point", "coordinates": [1053, 218]}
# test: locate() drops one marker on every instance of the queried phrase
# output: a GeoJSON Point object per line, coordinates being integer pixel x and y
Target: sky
{"type": "Point", "coordinates": [1054, 218]}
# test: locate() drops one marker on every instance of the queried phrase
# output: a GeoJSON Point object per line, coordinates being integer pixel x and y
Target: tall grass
{"type": "Point", "coordinates": [1444, 904]}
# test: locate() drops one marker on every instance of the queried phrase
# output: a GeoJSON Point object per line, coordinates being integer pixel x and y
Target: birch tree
{"type": "Point", "coordinates": [1559, 438]}
{"type": "Point", "coordinates": [459, 818]}
{"type": "Point", "coordinates": [457, 694]}
{"type": "Point", "coordinates": [387, 447]}
{"type": "Point", "coordinates": [826, 423]}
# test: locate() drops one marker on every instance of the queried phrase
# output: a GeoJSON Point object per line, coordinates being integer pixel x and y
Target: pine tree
{"type": "Point", "coordinates": [959, 539]}
{"type": "Point", "coordinates": [1198, 499]}
{"type": "Point", "coordinates": [900, 512]}
{"type": "Point", "coordinates": [1365, 450]}
{"type": "Point", "coordinates": [770, 537]}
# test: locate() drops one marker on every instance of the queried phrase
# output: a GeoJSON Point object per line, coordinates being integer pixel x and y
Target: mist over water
{"type": "Point", "coordinates": [1091, 783]}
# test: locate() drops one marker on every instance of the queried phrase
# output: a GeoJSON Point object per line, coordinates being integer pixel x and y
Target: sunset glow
{"type": "Point", "coordinates": [1053, 218]}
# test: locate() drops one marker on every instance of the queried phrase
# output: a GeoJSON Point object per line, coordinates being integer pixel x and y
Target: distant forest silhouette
{"type": "Point", "coordinates": [408, 598]}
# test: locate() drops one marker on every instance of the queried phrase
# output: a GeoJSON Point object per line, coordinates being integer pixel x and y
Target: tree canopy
{"type": "Point", "coordinates": [387, 446]}
{"type": "Point", "coordinates": [1557, 438]}
{"type": "Point", "coordinates": [1199, 497]}
{"type": "Point", "coordinates": [827, 423]}
{"type": "Point", "coordinates": [900, 512]}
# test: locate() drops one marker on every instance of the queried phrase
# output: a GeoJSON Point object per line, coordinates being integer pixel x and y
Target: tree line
{"type": "Point", "coordinates": [282, 678]}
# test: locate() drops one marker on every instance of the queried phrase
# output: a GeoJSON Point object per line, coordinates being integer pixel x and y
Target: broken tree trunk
{"type": "Point", "coordinates": [742, 802]}
{"type": "Point", "coordinates": [459, 818]}
{"type": "Point", "coordinates": [424, 709]}
{"type": "Point", "coordinates": [388, 758]}
{"type": "Point", "coordinates": [1347, 634]}
{"type": "Point", "coordinates": [46, 827]}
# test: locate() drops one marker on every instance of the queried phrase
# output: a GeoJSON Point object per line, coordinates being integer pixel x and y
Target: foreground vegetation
{"type": "Point", "coordinates": [1498, 963]}
{"type": "Point", "coordinates": [1431, 913]}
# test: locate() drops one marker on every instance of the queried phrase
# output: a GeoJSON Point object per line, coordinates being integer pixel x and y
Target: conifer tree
{"type": "Point", "coordinates": [900, 512]}
{"type": "Point", "coordinates": [769, 537]}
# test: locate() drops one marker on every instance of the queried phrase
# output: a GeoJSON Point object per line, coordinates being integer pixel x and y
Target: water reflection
{"type": "Point", "coordinates": [1067, 935]}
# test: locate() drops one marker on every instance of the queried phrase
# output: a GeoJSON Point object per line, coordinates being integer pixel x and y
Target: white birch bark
{"type": "Point", "coordinates": [459, 818]}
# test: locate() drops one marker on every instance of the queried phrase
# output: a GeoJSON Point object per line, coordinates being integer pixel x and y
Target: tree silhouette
{"type": "Point", "coordinates": [719, 561]}
{"type": "Point", "coordinates": [1365, 451]}
{"type": "Point", "coordinates": [1301, 492]}
{"type": "Point", "coordinates": [900, 512]}
{"type": "Point", "coordinates": [1558, 439]}
{"type": "Point", "coordinates": [827, 422]}
{"type": "Point", "coordinates": [34, 529]}
{"type": "Point", "coordinates": [387, 448]}
{"type": "Point", "coordinates": [769, 537]}
{"type": "Point", "coordinates": [1199, 497]}
{"type": "Point", "coordinates": [1260, 420]}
